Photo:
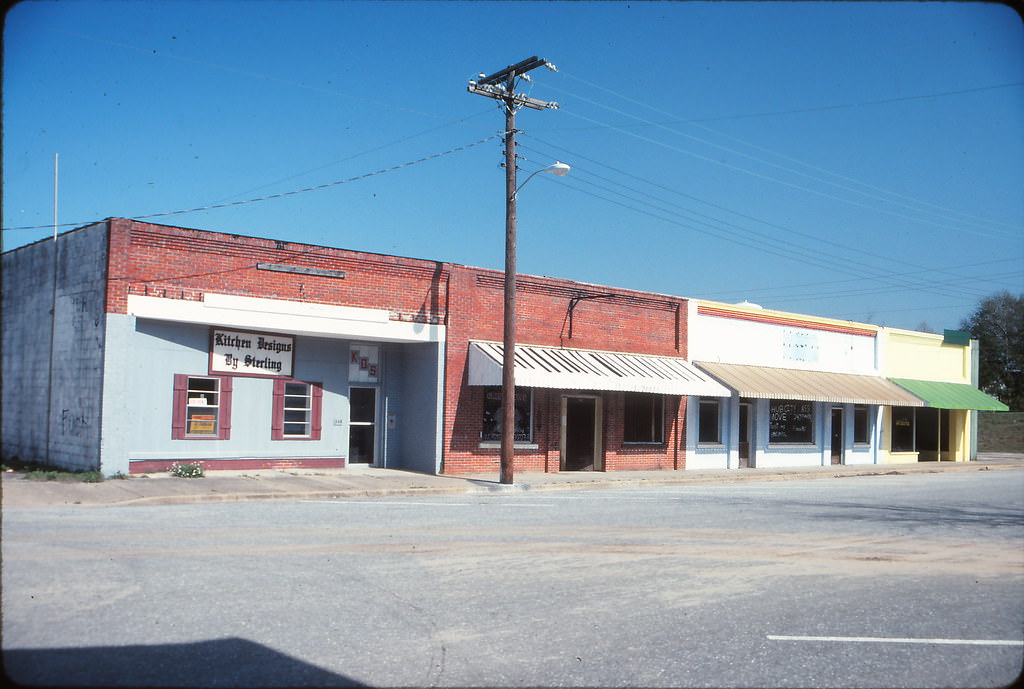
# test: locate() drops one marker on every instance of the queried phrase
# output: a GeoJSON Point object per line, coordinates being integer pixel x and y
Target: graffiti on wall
{"type": "Point", "coordinates": [72, 423]}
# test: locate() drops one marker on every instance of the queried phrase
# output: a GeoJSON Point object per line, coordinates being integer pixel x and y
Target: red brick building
{"type": "Point", "coordinates": [601, 376]}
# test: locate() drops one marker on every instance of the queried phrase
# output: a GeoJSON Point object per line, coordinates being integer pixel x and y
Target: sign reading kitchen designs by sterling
{"type": "Point", "coordinates": [242, 353]}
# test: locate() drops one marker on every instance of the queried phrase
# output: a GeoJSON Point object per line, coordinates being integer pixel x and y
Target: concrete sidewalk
{"type": "Point", "coordinates": [362, 481]}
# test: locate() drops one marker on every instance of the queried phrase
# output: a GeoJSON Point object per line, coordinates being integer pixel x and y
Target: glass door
{"type": "Point", "coordinates": [362, 434]}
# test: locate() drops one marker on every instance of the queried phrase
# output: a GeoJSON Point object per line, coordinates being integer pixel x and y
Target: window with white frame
{"type": "Point", "coordinates": [297, 410]}
{"type": "Point", "coordinates": [201, 408]}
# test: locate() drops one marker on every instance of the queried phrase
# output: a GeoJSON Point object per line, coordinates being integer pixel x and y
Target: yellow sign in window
{"type": "Point", "coordinates": [202, 424]}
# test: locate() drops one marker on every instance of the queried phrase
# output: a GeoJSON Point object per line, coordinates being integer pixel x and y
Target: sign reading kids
{"type": "Point", "coordinates": [364, 364]}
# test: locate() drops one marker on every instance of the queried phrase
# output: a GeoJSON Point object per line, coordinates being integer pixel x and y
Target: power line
{"type": "Point", "coordinates": [256, 75]}
{"type": "Point", "coordinates": [761, 242]}
{"type": "Point", "coordinates": [820, 108]}
{"type": "Point", "coordinates": [813, 167]}
{"type": "Point", "coordinates": [361, 153]}
{"type": "Point", "coordinates": [762, 239]}
{"type": "Point", "coordinates": [945, 271]}
{"type": "Point", "coordinates": [783, 252]}
{"type": "Point", "coordinates": [282, 194]}
{"type": "Point", "coordinates": [883, 289]}
{"type": "Point", "coordinates": [734, 212]}
{"type": "Point", "coordinates": [759, 174]}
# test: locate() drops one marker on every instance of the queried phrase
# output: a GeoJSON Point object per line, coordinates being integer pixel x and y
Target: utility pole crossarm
{"type": "Point", "coordinates": [515, 98]}
{"type": "Point", "coordinates": [515, 70]}
{"type": "Point", "coordinates": [500, 85]}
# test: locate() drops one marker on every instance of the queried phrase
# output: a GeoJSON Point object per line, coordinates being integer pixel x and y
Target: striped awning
{"type": "Point", "coordinates": [766, 382]}
{"type": "Point", "coordinates": [582, 369]}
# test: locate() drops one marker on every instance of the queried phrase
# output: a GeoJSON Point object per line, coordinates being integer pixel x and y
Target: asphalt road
{"type": "Point", "coordinates": [875, 581]}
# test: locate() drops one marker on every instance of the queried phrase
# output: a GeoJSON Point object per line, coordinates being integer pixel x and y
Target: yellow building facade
{"type": "Point", "coordinates": [939, 369]}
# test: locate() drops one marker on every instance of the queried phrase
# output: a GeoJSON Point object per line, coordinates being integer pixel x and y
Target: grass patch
{"type": "Point", "coordinates": [50, 474]}
{"type": "Point", "coordinates": [35, 471]}
{"type": "Point", "coordinates": [1001, 431]}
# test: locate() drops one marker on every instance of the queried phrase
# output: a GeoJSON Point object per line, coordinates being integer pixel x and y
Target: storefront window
{"type": "Point", "coordinates": [903, 429]}
{"type": "Point", "coordinates": [791, 421]}
{"type": "Point", "coordinates": [861, 425]}
{"type": "Point", "coordinates": [493, 415]}
{"type": "Point", "coordinates": [296, 410]}
{"type": "Point", "coordinates": [202, 408]}
{"type": "Point", "coordinates": [644, 418]}
{"type": "Point", "coordinates": [709, 420]}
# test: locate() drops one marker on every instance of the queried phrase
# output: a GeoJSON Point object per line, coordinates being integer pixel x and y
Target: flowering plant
{"type": "Point", "coordinates": [187, 469]}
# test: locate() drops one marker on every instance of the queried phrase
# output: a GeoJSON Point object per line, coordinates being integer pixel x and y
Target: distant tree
{"type": "Point", "coordinates": [998, 325]}
{"type": "Point", "coordinates": [923, 327]}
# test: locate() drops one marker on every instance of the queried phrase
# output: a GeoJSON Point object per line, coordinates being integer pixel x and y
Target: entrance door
{"type": "Point", "coordinates": [746, 457]}
{"type": "Point", "coordinates": [837, 435]}
{"type": "Point", "coordinates": [581, 434]}
{"type": "Point", "coordinates": [362, 434]}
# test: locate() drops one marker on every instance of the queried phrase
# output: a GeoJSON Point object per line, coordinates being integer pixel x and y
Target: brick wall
{"type": "Point", "coordinates": [619, 320]}
{"type": "Point", "coordinates": [180, 263]}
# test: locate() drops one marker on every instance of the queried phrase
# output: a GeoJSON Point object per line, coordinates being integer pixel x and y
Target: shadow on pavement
{"type": "Point", "coordinates": [221, 663]}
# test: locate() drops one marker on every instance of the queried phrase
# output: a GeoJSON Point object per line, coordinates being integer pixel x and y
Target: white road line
{"type": "Point", "coordinates": [341, 501]}
{"type": "Point", "coordinates": [897, 640]}
{"type": "Point", "coordinates": [393, 503]}
{"type": "Point", "coordinates": [593, 497]}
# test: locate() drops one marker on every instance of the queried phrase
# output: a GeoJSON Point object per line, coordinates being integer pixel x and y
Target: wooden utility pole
{"type": "Point", "coordinates": [508, 366]}
{"type": "Point", "coordinates": [501, 86]}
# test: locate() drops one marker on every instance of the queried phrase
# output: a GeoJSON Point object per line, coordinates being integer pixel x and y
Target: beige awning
{"type": "Point", "coordinates": [817, 386]}
{"type": "Point", "coordinates": [583, 369]}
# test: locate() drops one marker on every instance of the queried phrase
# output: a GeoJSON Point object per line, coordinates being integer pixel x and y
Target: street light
{"type": "Point", "coordinates": [508, 376]}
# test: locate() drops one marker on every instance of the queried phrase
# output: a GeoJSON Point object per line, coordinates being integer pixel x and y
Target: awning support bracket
{"type": "Point", "coordinates": [576, 300]}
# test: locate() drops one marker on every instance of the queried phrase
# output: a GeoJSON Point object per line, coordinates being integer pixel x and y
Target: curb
{"type": "Point", "coordinates": [469, 485]}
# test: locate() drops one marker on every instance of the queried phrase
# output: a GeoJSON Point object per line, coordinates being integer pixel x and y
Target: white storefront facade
{"type": "Point", "coordinates": [806, 391]}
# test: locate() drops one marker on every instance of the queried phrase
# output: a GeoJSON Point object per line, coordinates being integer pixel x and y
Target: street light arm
{"type": "Point", "coordinates": [525, 181]}
{"type": "Point", "coordinates": [559, 169]}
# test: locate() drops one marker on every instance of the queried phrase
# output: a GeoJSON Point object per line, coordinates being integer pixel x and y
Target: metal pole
{"type": "Point", "coordinates": [54, 197]}
{"type": "Point", "coordinates": [508, 381]}
{"type": "Point", "coordinates": [53, 328]}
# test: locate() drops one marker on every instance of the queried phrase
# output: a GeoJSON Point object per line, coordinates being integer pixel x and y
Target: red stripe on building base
{"type": "Point", "coordinates": [156, 466]}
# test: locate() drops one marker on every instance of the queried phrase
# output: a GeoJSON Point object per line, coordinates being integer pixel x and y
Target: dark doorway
{"type": "Point", "coordinates": [837, 435]}
{"type": "Point", "coordinates": [580, 434]}
{"type": "Point", "coordinates": [745, 454]}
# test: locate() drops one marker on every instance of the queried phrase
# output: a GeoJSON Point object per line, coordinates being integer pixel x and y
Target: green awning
{"type": "Point", "coordinates": [951, 395]}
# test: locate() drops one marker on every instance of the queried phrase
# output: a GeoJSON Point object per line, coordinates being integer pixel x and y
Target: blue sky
{"type": "Point", "coordinates": [853, 160]}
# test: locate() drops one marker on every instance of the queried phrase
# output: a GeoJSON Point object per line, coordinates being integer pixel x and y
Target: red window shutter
{"type": "Point", "coordinates": [277, 415]}
{"type": "Point", "coordinates": [178, 406]}
{"type": "Point", "coordinates": [317, 390]}
{"type": "Point", "coordinates": [225, 409]}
